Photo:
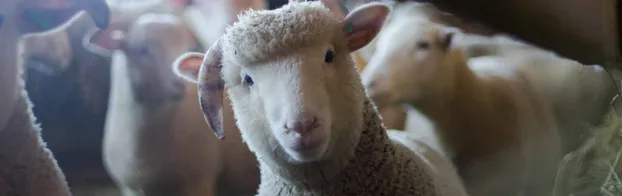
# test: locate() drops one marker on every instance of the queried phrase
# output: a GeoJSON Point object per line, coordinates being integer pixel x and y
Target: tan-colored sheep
{"type": "Point", "coordinates": [495, 126]}
{"type": "Point", "coordinates": [156, 141]}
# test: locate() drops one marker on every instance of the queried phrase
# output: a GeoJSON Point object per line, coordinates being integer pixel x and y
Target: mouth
{"type": "Point", "coordinates": [306, 148]}
{"type": "Point", "coordinates": [303, 143]}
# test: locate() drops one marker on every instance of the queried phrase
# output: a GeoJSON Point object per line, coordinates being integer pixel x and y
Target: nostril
{"type": "Point", "coordinates": [302, 126]}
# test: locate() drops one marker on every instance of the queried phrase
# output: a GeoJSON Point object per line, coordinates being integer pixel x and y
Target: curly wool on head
{"type": "Point", "coordinates": [260, 34]}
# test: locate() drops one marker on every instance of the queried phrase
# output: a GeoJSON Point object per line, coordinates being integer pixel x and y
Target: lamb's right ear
{"type": "Point", "coordinates": [188, 65]}
{"type": "Point", "coordinates": [211, 87]}
{"type": "Point", "coordinates": [363, 24]}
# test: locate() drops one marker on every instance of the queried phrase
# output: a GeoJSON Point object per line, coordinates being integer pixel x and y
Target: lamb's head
{"type": "Point", "coordinates": [413, 67]}
{"type": "Point", "coordinates": [152, 43]}
{"type": "Point", "coordinates": [295, 92]}
{"type": "Point", "coordinates": [19, 17]}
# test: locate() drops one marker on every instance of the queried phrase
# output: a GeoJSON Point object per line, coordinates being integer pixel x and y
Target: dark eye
{"type": "Point", "coordinates": [330, 55]}
{"type": "Point", "coordinates": [423, 45]}
{"type": "Point", "coordinates": [248, 80]}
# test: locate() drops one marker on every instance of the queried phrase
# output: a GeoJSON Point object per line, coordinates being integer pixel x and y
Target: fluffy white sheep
{"type": "Point", "coordinates": [496, 128]}
{"type": "Point", "coordinates": [301, 107]}
{"type": "Point", "coordinates": [156, 141]}
{"type": "Point", "coordinates": [27, 167]}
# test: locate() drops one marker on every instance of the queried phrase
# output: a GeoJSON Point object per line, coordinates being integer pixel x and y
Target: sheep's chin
{"type": "Point", "coordinates": [315, 151]}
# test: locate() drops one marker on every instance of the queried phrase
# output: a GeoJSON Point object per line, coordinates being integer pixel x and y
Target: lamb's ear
{"type": "Point", "coordinates": [447, 35]}
{"type": "Point", "coordinates": [211, 88]}
{"type": "Point", "coordinates": [187, 66]}
{"type": "Point", "coordinates": [363, 24]}
{"type": "Point", "coordinates": [103, 42]}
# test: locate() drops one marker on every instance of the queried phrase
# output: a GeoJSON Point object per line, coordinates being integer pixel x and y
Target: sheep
{"type": "Point", "coordinates": [494, 125]}
{"type": "Point", "coordinates": [67, 90]}
{"type": "Point", "coordinates": [70, 92]}
{"type": "Point", "coordinates": [155, 141]}
{"type": "Point", "coordinates": [305, 146]}
{"type": "Point", "coordinates": [27, 167]}
{"type": "Point", "coordinates": [71, 99]}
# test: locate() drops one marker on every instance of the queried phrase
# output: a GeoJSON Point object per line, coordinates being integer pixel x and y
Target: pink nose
{"type": "Point", "coordinates": [302, 126]}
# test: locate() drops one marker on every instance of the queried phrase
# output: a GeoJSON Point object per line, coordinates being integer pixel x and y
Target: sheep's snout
{"type": "Point", "coordinates": [301, 126]}
{"type": "Point", "coordinates": [303, 135]}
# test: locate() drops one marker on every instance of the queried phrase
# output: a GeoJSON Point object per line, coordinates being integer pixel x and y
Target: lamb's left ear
{"type": "Point", "coordinates": [363, 24]}
{"type": "Point", "coordinates": [187, 66]}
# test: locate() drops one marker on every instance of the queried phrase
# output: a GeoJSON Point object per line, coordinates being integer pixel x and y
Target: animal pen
{"type": "Point", "coordinates": [126, 109]}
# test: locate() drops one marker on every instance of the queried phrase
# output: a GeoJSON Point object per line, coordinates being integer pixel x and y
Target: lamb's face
{"type": "Point", "coordinates": [295, 106]}
{"type": "Point", "coordinates": [17, 17]}
{"type": "Point", "coordinates": [151, 45]}
{"type": "Point", "coordinates": [403, 70]}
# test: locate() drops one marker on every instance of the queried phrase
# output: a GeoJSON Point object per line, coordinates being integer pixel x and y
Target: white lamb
{"type": "Point", "coordinates": [301, 107]}
{"type": "Point", "coordinates": [156, 141]}
{"type": "Point", "coordinates": [496, 128]}
{"type": "Point", "coordinates": [27, 167]}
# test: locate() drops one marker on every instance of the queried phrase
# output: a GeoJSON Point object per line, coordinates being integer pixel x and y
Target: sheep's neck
{"type": "Point", "coordinates": [19, 144]}
{"type": "Point", "coordinates": [476, 108]}
{"type": "Point", "coordinates": [374, 162]}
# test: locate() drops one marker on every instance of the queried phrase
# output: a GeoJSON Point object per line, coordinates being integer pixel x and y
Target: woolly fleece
{"type": "Point", "coordinates": [259, 34]}
{"type": "Point", "coordinates": [22, 152]}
